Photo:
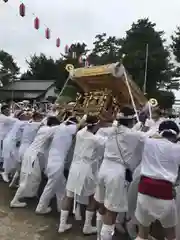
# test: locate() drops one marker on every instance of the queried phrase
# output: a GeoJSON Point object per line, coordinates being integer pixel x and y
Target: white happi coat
{"type": "Point", "coordinates": [59, 148]}
{"type": "Point", "coordinates": [6, 123]}
{"type": "Point", "coordinates": [30, 175]}
{"type": "Point", "coordinates": [104, 131]}
{"type": "Point", "coordinates": [88, 154]}
{"type": "Point", "coordinates": [160, 160]}
{"type": "Point", "coordinates": [153, 126]}
{"type": "Point", "coordinates": [112, 187]}
{"type": "Point", "coordinates": [28, 137]}
{"type": "Point", "coordinates": [10, 146]}
{"type": "Point", "coordinates": [58, 151]}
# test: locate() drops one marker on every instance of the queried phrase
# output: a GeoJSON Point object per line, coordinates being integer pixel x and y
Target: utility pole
{"type": "Point", "coordinates": [146, 68]}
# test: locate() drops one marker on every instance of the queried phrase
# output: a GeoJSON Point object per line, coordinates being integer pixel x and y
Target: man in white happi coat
{"type": "Point", "coordinates": [28, 136]}
{"type": "Point", "coordinates": [30, 132]}
{"type": "Point", "coordinates": [33, 163]}
{"type": "Point", "coordinates": [59, 148]}
{"type": "Point", "coordinates": [11, 145]}
{"type": "Point", "coordinates": [152, 125]}
{"type": "Point", "coordinates": [159, 171]}
{"type": "Point", "coordinates": [88, 154]}
{"type": "Point", "coordinates": [6, 124]}
{"type": "Point", "coordinates": [123, 153]}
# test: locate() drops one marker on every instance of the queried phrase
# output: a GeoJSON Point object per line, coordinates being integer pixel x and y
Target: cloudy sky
{"type": "Point", "coordinates": [78, 20]}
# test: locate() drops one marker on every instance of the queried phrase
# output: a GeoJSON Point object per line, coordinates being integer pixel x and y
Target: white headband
{"type": "Point", "coordinates": [121, 116]}
{"type": "Point", "coordinates": [92, 124]}
{"type": "Point", "coordinates": [69, 121]}
{"type": "Point", "coordinates": [168, 131]}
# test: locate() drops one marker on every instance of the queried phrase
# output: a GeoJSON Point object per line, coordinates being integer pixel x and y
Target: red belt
{"type": "Point", "coordinates": [157, 188]}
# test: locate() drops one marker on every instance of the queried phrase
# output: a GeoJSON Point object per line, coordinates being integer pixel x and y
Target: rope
{"type": "Point", "coordinates": [131, 96]}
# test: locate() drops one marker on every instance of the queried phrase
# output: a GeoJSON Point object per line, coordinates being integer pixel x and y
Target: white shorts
{"type": "Point", "coordinates": [111, 188]}
{"type": "Point", "coordinates": [150, 209]}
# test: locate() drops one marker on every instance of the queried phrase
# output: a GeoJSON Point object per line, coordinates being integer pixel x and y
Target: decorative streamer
{"type": "Point", "coordinates": [66, 49]}
{"type": "Point", "coordinates": [36, 23]}
{"type": "Point", "coordinates": [22, 13]}
{"type": "Point", "coordinates": [47, 33]}
{"type": "Point", "coordinates": [22, 10]}
{"type": "Point", "coordinates": [58, 42]}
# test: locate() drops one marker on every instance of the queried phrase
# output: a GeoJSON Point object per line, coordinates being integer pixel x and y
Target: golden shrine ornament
{"type": "Point", "coordinates": [153, 102]}
{"type": "Point", "coordinates": [69, 67]}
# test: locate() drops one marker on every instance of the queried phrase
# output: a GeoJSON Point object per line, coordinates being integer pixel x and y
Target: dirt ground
{"type": "Point", "coordinates": [24, 224]}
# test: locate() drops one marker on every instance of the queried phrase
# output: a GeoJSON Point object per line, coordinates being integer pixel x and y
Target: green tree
{"type": "Point", "coordinates": [165, 98]}
{"type": "Point", "coordinates": [43, 68]}
{"type": "Point", "coordinates": [106, 50]}
{"type": "Point", "coordinates": [40, 68]}
{"type": "Point", "coordinates": [160, 70]}
{"type": "Point", "coordinates": [175, 46]}
{"type": "Point", "coordinates": [8, 68]}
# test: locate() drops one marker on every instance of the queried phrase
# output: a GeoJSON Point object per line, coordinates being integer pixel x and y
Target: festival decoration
{"type": "Point", "coordinates": [153, 102]}
{"type": "Point", "coordinates": [58, 42]}
{"type": "Point", "coordinates": [22, 13]}
{"type": "Point", "coordinates": [36, 23]}
{"type": "Point", "coordinates": [22, 10]}
{"type": "Point", "coordinates": [66, 49]}
{"type": "Point", "coordinates": [47, 33]}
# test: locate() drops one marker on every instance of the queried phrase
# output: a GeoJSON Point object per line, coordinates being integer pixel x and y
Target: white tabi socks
{"type": "Point", "coordinates": [43, 210]}
{"type": "Point", "coordinates": [5, 177]}
{"type": "Point", "coordinates": [78, 216]}
{"type": "Point", "coordinates": [15, 203]}
{"type": "Point", "coordinates": [99, 223]}
{"type": "Point", "coordinates": [88, 228]}
{"type": "Point", "coordinates": [107, 232]}
{"type": "Point", "coordinates": [13, 182]}
{"type": "Point", "coordinates": [63, 226]}
{"type": "Point", "coordinates": [131, 229]}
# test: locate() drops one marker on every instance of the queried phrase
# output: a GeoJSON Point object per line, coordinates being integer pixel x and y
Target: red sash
{"type": "Point", "coordinates": [161, 189]}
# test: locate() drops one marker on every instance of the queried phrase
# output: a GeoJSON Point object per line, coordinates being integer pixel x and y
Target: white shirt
{"type": "Point", "coordinates": [30, 132]}
{"type": "Point", "coordinates": [161, 159]}
{"type": "Point", "coordinates": [154, 126]}
{"type": "Point", "coordinates": [62, 140]}
{"type": "Point", "coordinates": [6, 124]}
{"type": "Point", "coordinates": [44, 134]}
{"type": "Point", "coordinates": [130, 143]}
{"type": "Point", "coordinates": [104, 132]}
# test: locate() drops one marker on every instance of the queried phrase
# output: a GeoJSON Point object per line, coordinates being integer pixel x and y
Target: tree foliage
{"type": "Point", "coordinates": [159, 69]}
{"type": "Point", "coordinates": [176, 44]}
{"type": "Point", "coordinates": [106, 50]}
{"type": "Point", "coordinates": [8, 68]}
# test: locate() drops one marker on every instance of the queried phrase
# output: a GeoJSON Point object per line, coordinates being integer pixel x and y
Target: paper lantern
{"type": "Point", "coordinates": [58, 42]}
{"type": "Point", "coordinates": [36, 23]}
{"type": "Point", "coordinates": [47, 33]}
{"type": "Point", "coordinates": [22, 10]}
{"type": "Point", "coordinates": [66, 49]}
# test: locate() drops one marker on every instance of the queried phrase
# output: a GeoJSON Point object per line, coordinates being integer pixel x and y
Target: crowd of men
{"type": "Point", "coordinates": [125, 172]}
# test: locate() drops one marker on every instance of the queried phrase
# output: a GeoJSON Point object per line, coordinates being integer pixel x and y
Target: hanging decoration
{"type": "Point", "coordinates": [22, 13]}
{"type": "Point", "coordinates": [47, 33]}
{"type": "Point", "coordinates": [66, 49]}
{"type": "Point", "coordinates": [22, 10]}
{"type": "Point", "coordinates": [58, 42]}
{"type": "Point", "coordinates": [36, 23]}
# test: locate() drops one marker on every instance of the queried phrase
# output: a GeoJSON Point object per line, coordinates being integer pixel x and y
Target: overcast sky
{"type": "Point", "coordinates": [78, 20]}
